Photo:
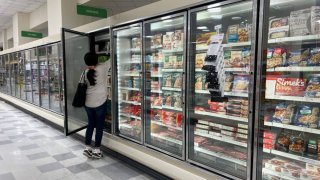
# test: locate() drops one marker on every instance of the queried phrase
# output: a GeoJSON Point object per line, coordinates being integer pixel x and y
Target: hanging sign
{"type": "Point", "coordinates": [31, 34]}
{"type": "Point", "coordinates": [91, 11]}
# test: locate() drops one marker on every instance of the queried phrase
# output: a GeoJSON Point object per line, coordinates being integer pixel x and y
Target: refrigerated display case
{"type": "Point", "coordinates": [289, 129]}
{"type": "Point", "coordinates": [28, 75]}
{"type": "Point", "coordinates": [13, 69]}
{"type": "Point", "coordinates": [7, 74]}
{"type": "Point", "coordinates": [127, 56]}
{"type": "Point", "coordinates": [219, 80]}
{"type": "Point", "coordinates": [35, 76]}
{"type": "Point", "coordinates": [3, 82]}
{"type": "Point", "coordinates": [43, 76]}
{"type": "Point", "coordinates": [21, 75]}
{"type": "Point", "coordinates": [165, 53]}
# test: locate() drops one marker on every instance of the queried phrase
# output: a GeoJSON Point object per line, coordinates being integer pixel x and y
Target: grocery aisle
{"type": "Point", "coordinates": [32, 150]}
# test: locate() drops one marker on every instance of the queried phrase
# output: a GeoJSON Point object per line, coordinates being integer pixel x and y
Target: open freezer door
{"type": "Point", "coordinates": [75, 46]}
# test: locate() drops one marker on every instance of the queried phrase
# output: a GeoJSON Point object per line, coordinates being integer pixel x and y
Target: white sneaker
{"type": "Point", "coordinates": [97, 154]}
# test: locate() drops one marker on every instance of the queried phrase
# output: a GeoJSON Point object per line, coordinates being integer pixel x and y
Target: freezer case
{"type": "Point", "coordinates": [289, 139]}
{"type": "Point", "coordinates": [127, 56]}
{"type": "Point", "coordinates": [43, 76]}
{"type": "Point", "coordinates": [219, 81]}
{"type": "Point", "coordinates": [164, 52]}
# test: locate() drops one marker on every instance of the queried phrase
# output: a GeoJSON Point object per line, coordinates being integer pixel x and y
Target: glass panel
{"type": "Point", "coordinates": [7, 66]}
{"type": "Point", "coordinates": [54, 78]}
{"type": "Point", "coordinates": [102, 47]}
{"type": "Point", "coordinates": [28, 75]}
{"type": "Point", "coordinates": [21, 75]}
{"type": "Point", "coordinates": [61, 78]}
{"type": "Point", "coordinates": [35, 76]}
{"type": "Point", "coordinates": [164, 56]}
{"type": "Point", "coordinates": [289, 147]}
{"type": "Point", "coordinates": [13, 69]}
{"type": "Point", "coordinates": [128, 58]}
{"type": "Point", "coordinates": [43, 75]}
{"type": "Point", "coordinates": [3, 82]}
{"type": "Point", "coordinates": [220, 53]}
{"type": "Point", "coordinates": [76, 46]}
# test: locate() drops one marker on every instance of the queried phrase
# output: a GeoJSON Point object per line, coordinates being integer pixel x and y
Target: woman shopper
{"type": "Point", "coordinates": [95, 105]}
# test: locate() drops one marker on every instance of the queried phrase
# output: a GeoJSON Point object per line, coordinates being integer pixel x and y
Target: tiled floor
{"type": "Point", "coordinates": [31, 150]}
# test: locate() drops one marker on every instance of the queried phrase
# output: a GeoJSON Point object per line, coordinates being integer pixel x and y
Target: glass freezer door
{"type": "Point", "coordinates": [289, 139]}
{"type": "Point", "coordinates": [28, 75]}
{"type": "Point", "coordinates": [219, 84]}
{"type": "Point", "coordinates": [75, 46]}
{"type": "Point", "coordinates": [127, 55]}
{"type": "Point", "coordinates": [44, 77]}
{"type": "Point", "coordinates": [164, 42]}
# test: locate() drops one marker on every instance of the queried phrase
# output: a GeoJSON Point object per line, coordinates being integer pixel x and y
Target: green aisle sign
{"type": "Point", "coordinates": [31, 34]}
{"type": "Point", "coordinates": [91, 11]}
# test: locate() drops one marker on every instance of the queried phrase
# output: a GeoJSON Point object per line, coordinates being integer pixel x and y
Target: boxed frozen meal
{"type": "Point", "coordinates": [156, 40]}
{"type": "Point", "coordinates": [203, 122]}
{"type": "Point", "coordinates": [276, 57]}
{"type": "Point", "coordinates": [313, 86]}
{"type": "Point", "coordinates": [243, 126]}
{"type": "Point", "coordinates": [167, 98]}
{"type": "Point", "coordinates": [283, 142]}
{"type": "Point", "coordinates": [297, 145]}
{"type": "Point", "coordinates": [178, 40]}
{"type": "Point", "coordinates": [278, 28]}
{"type": "Point", "coordinates": [243, 35]}
{"type": "Point", "coordinates": [314, 60]}
{"type": "Point", "coordinates": [284, 113]}
{"type": "Point", "coordinates": [215, 126]}
{"type": "Point", "coordinates": [227, 58]}
{"type": "Point", "coordinates": [298, 22]}
{"type": "Point", "coordinates": [167, 41]}
{"type": "Point", "coordinates": [178, 62]}
{"type": "Point", "coordinates": [177, 100]}
{"type": "Point", "coordinates": [233, 33]}
{"type": "Point", "coordinates": [168, 62]}
{"type": "Point", "coordinates": [229, 128]}
{"type": "Point", "coordinates": [312, 168]}
{"type": "Point", "coordinates": [235, 58]}
{"type": "Point", "coordinates": [200, 60]}
{"type": "Point", "coordinates": [241, 83]}
{"type": "Point", "coordinates": [269, 135]}
{"type": "Point", "coordinates": [298, 57]}
{"type": "Point", "coordinates": [292, 170]}
{"type": "Point", "coordinates": [290, 86]}
{"type": "Point", "coordinates": [228, 82]}
{"type": "Point", "coordinates": [200, 130]}
{"type": "Point", "coordinates": [177, 80]}
{"type": "Point", "coordinates": [307, 116]}
{"type": "Point", "coordinates": [312, 149]}
{"type": "Point", "coordinates": [167, 79]}
{"type": "Point", "coordinates": [200, 79]}
{"type": "Point", "coordinates": [315, 18]}
{"type": "Point", "coordinates": [243, 131]}
{"type": "Point", "coordinates": [242, 137]}
{"type": "Point", "coordinates": [246, 57]}
{"type": "Point", "coordinates": [204, 38]}
{"type": "Point", "coordinates": [202, 126]}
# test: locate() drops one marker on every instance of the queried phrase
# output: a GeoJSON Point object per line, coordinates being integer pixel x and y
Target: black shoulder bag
{"type": "Point", "coordinates": [79, 98]}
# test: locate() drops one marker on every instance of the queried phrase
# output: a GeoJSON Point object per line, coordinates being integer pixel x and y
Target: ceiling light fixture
{"type": "Point", "coordinates": [202, 27]}
{"type": "Point", "coordinates": [214, 10]}
{"type": "Point", "coordinates": [166, 17]}
{"type": "Point", "coordinates": [168, 20]}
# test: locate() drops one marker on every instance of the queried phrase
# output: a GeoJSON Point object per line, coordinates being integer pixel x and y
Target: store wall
{"type": "Point", "coordinates": [39, 16]}
{"type": "Point", "coordinates": [54, 13]}
{"type": "Point", "coordinates": [9, 33]}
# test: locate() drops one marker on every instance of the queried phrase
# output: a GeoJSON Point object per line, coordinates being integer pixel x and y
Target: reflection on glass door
{"type": "Point", "coordinates": [43, 77]}
{"type": "Point", "coordinates": [21, 75]}
{"type": "Point", "coordinates": [164, 65]}
{"type": "Point", "coordinates": [7, 73]}
{"type": "Point", "coordinates": [127, 42]}
{"type": "Point", "coordinates": [2, 75]}
{"type": "Point", "coordinates": [219, 81]}
{"type": "Point", "coordinates": [289, 139]}
{"type": "Point", "coordinates": [28, 75]}
{"type": "Point", "coordinates": [35, 76]}
{"type": "Point", "coordinates": [13, 69]}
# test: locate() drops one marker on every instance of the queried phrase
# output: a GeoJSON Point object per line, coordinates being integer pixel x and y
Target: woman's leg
{"type": "Point", "coordinates": [100, 118]}
{"type": "Point", "coordinates": [91, 124]}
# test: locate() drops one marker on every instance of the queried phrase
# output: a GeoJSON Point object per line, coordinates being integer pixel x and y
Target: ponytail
{"type": "Point", "coordinates": [91, 74]}
{"type": "Point", "coordinates": [91, 59]}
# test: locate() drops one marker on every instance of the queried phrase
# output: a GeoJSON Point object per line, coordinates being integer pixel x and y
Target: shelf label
{"type": "Point", "coordinates": [91, 11]}
{"type": "Point", "coordinates": [31, 34]}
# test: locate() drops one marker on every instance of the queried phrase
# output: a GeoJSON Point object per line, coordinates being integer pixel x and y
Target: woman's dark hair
{"type": "Point", "coordinates": [91, 59]}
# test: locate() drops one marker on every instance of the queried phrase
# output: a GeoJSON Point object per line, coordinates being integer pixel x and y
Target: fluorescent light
{"type": "Point", "coordinates": [205, 30]}
{"type": "Point", "coordinates": [166, 17]}
{"type": "Point", "coordinates": [213, 5]}
{"type": "Point", "coordinates": [214, 10]}
{"type": "Point", "coordinates": [168, 20]}
{"type": "Point", "coordinates": [236, 18]}
{"type": "Point", "coordinates": [202, 27]}
{"type": "Point", "coordinates": [216, 16]}
{"type": "Point", "coordinates": [318, 21]}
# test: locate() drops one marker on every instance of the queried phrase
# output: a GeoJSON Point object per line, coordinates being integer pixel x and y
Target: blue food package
{"type": "Point", "coordinates": [307, 116]}
{"type": "Point", "coordinates": [283, 113]}
{"type": "Point", "coordinates": [313, 86]}
{"type": "Point", "coordinates": [314, 60]}
{"type": "Point", "coordinates": [241, 83]}
{"type": "Point", "coordinates": [298, 57]}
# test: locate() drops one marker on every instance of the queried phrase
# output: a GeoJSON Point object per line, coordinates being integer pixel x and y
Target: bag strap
{"type": "Point", "coordinates": [83, 77]}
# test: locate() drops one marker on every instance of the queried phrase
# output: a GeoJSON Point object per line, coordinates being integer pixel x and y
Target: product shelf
{"type": "Point", "coordinates": [130, 74]}
{"type": "Point", "coordinates": [130, 116]}
{"type": "Point", "coordinates": [292, 127]}
{"type": "Point", "coordinates": [294, 98]}
{"type": "Point", "coordinates": [236, 94]}
{"type": "Point", "coordinates": [294, 39]}
{"type": "Point", "coordinates": [156, 75]}
{"type": "Point", "coordinates": [238, 44]}
{"type": "Point", "coordinates": [221, 138]}
{"type": "Point", "coordinates": [222, 116]}
{"type": "Point", "coordinates": [172, 70]}
{"type": "Point", "coordinates": [154, 135]}
{"type": "Point", "coordinates": [236, 69]}
{"type": "Point", "coordinates": [277, 174]}
{"type": "Point", "coordinates": [170, 89]}
{"type": "Point", "coordinates": [156, 107]}
{"type": "Point", "coordinates": [295, 69]}
{"type": "Point", "coordinates": [292, 156]}
{"type": "Point", "coordinates": [135, 50]}
{"type": "Point", "coordinates": [200, 70]}
{"type": "Point", "coordinates": [169, 126]}
{"type": "Point", "coordinates": [202, 91]}
{"type": "Point", "coordinates": [131, 62]}
{"type": "Point", "coordinates": [172, 51]}
{"type": "Point", "coordinates": [130, 102]}
{"type": "Point", "coordinates": [156, 91]}
{"type": "Point", "coordinates": [220, 155]}
{"type": "Point", "coordinates": [128, 88]}
{"type": "Point", "coordinates": [172, 108]}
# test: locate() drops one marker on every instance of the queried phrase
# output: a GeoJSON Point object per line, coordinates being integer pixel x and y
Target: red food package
{"type": "Point", "coordinates": [268, 146]}
{"type": "Point", "coordinates": [269, 135]}
{"type": "Point", "coordinates": [268, 141]}
{"type": "Point", "coordinates": [179, 120]}
{"type": "Point", "coordinates": [290, 86]}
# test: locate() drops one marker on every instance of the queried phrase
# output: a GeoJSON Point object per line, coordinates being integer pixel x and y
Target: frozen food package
{"type": "Point", "coordinates": [246, 57]}
{"type": "Point", "coordinates": [290, 86]}
{"type": "Point", "coordinates": [312, 149]}
{"type": "Point", "coordinates": [307, 116]}
{"type": "Point", "coordinates": [167, 98]}
{"type": "Point", "coordinates": [167, 79]}
{"type": "Point", "coordinates": [298, 57]}
{"type": "Point", "coordinates": [236, 59]}
{"type": "Point", "coordinates": [313, 86]}
{"type": "Point", "coordinates": [233, 33]}
{"type": "Point", "coordinates": [200, 59]}
{"type": "Point", "coordinates": [178, 40]}
{"type": "Point", "coordinates": [136, 43]}
{"type": "Point", "coordinates": [177, 100]}
{"type": "Point", "coordinates": [227, 58]}
{"type": "Point", "coordinates": [278, 22]}
{"type": "Point", "coordinates": [243, 33]}
{"type": "Point", "coordinates": [200, 79]}
{"type": "Point", "coordinates": [178, 62]}
{"type": "Point", "coordinates": [315, 18]}
{"type": "Point", "coordinates": [284, 113]}
{"type": "Point", "coordinates": [204, 38]}
{"type": "Point", "coordinates": [276, 57]}
{"type": "Point", "coordinates": [156, 40]}
{"type": "Point", "coordinates": [168, 62]}
{"type": "Point", "coordinates": [283, 141]}
{"type": "Point", "coordinates": [241, 83]}
{"type": "Point", "coordinates": [167, 41]}
{"type": "Point", "coordinates": [314, 60]}
{"type": "Point", "coordinates": [278, 27]}
{"type": "Point", "coordinates": [177, 80]}
{"type": "Point", "coordinates": [300, 22]}
{"type": "Point", "coordinates": [296, 145]}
